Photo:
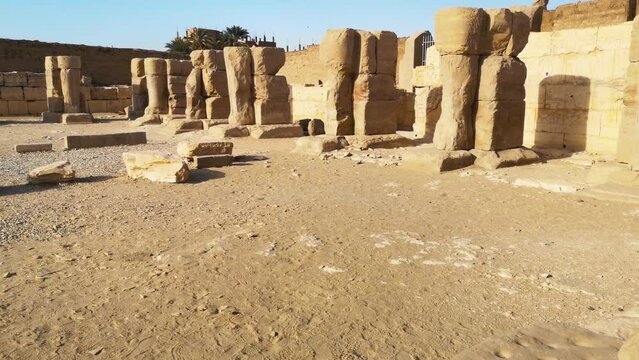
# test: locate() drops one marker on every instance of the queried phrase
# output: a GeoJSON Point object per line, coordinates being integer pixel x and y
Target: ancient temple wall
{"type": "Point", "coordinates": [574, 87]}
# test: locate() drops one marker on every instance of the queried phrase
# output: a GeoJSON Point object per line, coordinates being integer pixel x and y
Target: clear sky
{"type": "Point", "coordinates": [149, 24]}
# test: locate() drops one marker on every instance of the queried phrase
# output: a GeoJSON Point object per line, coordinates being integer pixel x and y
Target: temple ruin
{"type": "Point", "coordinates": [466, 191]}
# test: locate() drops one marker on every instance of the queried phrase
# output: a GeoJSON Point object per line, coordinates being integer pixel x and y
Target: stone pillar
{"type": "Point", "coordinates": [428, 109]}
{"type": "Point", "coordinates": [55, 98]}
{"type": "Point", "coordinates": [270, 92]}
{"type": "Point", "coordinates": [628, 143]}
{"type": "Point", "coordinates": [215, 85]}
{"type": "Point", "coordinates": [195, 106]}
{"type": "Point", "coordinates": [156, 82]}
{"type": "Point", "coordinates": [70, 78]}
{"type": "Point", "coordinates": [177, 74]}
{"type": "Point", "coordinates": [238, 62]}
{"type": "Point", "coordinates": [139, 95]}
{"type": "Point", "coordinates": [500, 106]}
{"type": "Point", "coordinates": [337, 52]}
{"type": "Point", "coordinates": [457, 37]}
{"type": "Point", "coordinates": [375, 98]}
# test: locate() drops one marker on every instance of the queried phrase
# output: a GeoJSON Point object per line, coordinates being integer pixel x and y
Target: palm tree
{"type": "Point", "coordinates": [199, 39]}
{"type": "Point", "coordinates": [178, 45]}
{"type": "Point", "coordinates": [232, 35]}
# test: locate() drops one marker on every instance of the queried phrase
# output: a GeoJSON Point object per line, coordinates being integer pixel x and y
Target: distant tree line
{"type": "Point", "coordinates": [199, 39]}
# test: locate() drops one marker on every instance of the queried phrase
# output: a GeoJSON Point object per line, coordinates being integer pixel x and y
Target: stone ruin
{"type": "Point", "coordinates": [207, 95]}
{"type": "Point", "coordinates": [63, 76]}
{"type": "Point", "coordinates": [483, 80]}
{"type": "Point", "coordinates": [257, 95]}
{"type": "Point", "coordinates": [361, 97]}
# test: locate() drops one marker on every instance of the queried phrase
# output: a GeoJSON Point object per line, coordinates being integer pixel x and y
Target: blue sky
{"type": "Point", "coordinates": [149, 24]}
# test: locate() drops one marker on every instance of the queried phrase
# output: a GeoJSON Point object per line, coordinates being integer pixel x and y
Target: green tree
{"type": "Point", "coordinates": [178, 45]}
{"type": "Point", "coordinates": [199, 39]}
{"type": "Point", "coordinates": [234, 34]}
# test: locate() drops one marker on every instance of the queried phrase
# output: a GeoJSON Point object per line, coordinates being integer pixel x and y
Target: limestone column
{"type": "Point", "coordinates": [195, 106]}
{"type": "Point", "coordinates": [156, 82]}
{"type": "Point", "coordinates": [457, 37]}
{"type": "Point", "coordinates": [238, 62]}
{"type": "Point", "coordinates": [270, 92]}
{"type": "Point", "coordinates": [70, 79]}
{"type": "Point", "coordinates": [337, 52]}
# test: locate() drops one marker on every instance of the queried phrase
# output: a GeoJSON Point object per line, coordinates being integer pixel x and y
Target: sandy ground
{"type": "Point", "coordinates": [283, 256]}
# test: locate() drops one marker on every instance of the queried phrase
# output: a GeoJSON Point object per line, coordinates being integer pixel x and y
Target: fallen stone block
{"type": "Point", "coordinates": [276, 131]}
{"type": "Point", "coordinates": [156, 167]}
{"type": "Point", "coordinates": [316, 145]}
{"type": "Point", "coordinates": [189, 149]}
{"type": "Point", "coordinates": [212, 161]}
{"type": "Point", "coordinates": [57, 172]}
{"type": "Point", "coordinates": [437, 161]}
{"type": "Point", "coordinates": [492, 160]}
{"type": "Point", "coordinates": [388, 141]}
{"type": "Point", "coordinates": [27, 148]}
{"type": "Point", "coordinates": [179, 126]}
{"type": "Point", "coordinates": [228, 131]}
{"type": "Point", "coordinates": [77, 118]}
{"type": "Point", "coordinates": [104, 140]}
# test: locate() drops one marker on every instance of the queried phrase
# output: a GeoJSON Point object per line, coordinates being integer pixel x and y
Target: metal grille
{"type": "Point", "coordinates": [427, 42]}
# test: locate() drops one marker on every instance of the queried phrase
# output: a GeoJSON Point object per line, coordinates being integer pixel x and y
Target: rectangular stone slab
{"type": "Point", "coordinates": [103, 140]}
{"type": "Point", "coordinates": [213, 161]}
{"type": "Point", "coordinates": [27, 148]}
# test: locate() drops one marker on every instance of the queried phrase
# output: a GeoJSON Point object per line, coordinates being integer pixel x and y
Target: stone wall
{"type": "Point", "coordinates": [25, 93]}
{"type": "Point", "coordinates": [308, 102]}
{"type": "Point", "coordinates": [574, 88]}
{"type": "Point", "coordinates": [589, 14]}
{"type": "Point", "coordinates": [303, 67]}
{"type": "Point", "coordinates": [106, 66]}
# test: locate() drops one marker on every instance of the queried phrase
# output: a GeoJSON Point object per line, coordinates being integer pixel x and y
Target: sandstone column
{"type": "Point", "coordinates": [457, 37]}
{"type": "Point", "coordinates": [55, 98]}
{"type": "Point", "coordinates": [70, 78]}
{"type": "Point", "coordinates": [177, 73]}
{"type": "Point", "coordinates": [337, 52]}
{"type": "Point", "coordinates": [155, 73]}
{"type": "Point", "coordinates": [139, 95]}
{"type": "Point", "coordinates": [195, 106]}
{"type": "Point", "coordinates": [270, 92]}
{"type": "Point", "coordinates": [215, 85]}
{"type": "Point", "coordinates": [500, 106]}
{"type": "Point", "coordinates": [238, 62]}
{"type": "Point", "coordinates": [375, 98]}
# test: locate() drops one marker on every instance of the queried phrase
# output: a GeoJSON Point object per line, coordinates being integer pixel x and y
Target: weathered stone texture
{"type": "Point", "coordinates": [238, 62]}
